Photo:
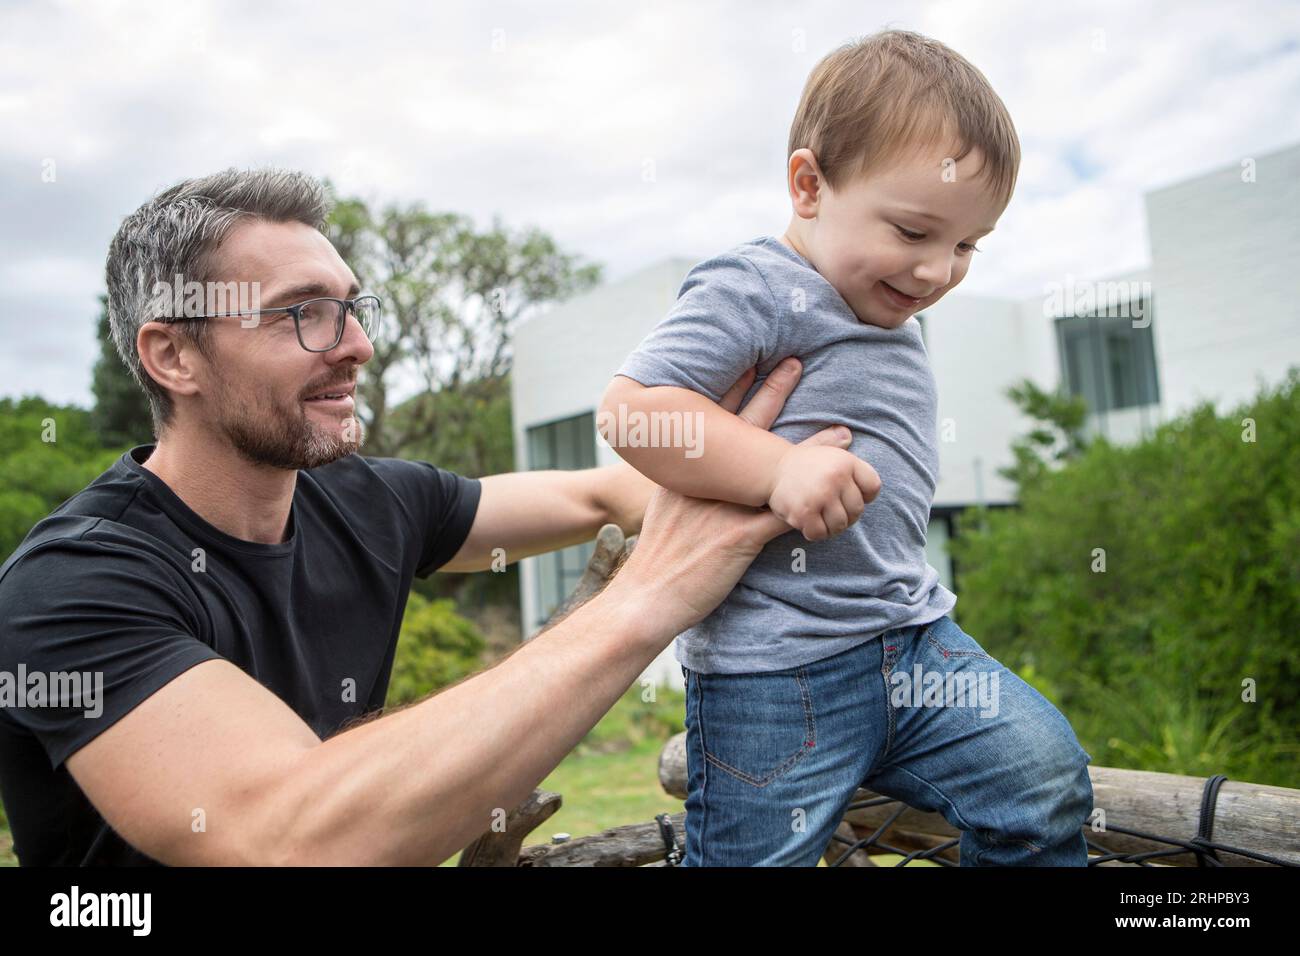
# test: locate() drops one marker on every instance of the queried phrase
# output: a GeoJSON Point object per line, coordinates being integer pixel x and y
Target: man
{"type": "Point", "coordinates": [238, 586]}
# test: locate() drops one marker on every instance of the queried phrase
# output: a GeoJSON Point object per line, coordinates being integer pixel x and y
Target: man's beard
{"type": "Point", "coordinates": [264, 432]}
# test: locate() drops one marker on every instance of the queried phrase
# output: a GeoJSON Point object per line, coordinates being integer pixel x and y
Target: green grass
{"type": "Point", "coordinates": [7, 857]}
{"type": "Point", "coordinates": [606, 790]}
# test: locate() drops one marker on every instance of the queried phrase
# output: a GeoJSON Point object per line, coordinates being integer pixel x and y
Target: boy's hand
{"type": "Point", "coordinates": [821, 490]}
{"type": "Point", "coordinates": [692, 551]}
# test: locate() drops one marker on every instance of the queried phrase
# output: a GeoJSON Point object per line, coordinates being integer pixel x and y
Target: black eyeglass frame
{"type": "Point", "coordinates": [344, 305]}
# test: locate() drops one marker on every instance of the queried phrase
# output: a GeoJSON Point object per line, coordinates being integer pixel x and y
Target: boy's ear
{"type": "Point", "coordinates": [804, 182]}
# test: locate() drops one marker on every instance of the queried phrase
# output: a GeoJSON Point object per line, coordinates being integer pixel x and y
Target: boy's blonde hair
{"type": "Point", "coordinates": [875, 99]}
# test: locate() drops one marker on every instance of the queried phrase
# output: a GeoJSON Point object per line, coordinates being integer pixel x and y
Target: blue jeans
{"type": "Point", "coordinates": [921, 714]}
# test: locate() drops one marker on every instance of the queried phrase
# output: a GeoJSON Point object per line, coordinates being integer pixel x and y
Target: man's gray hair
{"type": "Point", "coordinates": [176, 233]}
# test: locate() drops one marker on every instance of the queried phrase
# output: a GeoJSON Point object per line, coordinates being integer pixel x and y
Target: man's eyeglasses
{"type": "Point", "coordinates": [319, 321]}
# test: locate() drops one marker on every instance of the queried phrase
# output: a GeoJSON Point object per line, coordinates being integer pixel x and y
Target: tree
{"type": "Point", "coordinates": [436, 648]}
{"type": "Point", "coordinates": [121, 414]}
{"type": "Point", "coordinates": [452, 298]}
{"type": "Point", "coordinates": [474, 434]}
{"type": "Point", "coordinates": [1057, 438]}
{"type": "Point", "coordinates": [48, 453]}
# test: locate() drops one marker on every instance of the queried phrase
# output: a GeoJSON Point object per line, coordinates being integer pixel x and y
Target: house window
{"type": "Point", "coordinates": [936, 548]}
{"type": "Point", "coordinates": [568, 445]}
{"type": "Point", "coordinates": [1108, 361]}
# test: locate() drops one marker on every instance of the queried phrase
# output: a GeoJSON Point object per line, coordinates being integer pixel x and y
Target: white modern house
{"type": "Point", "coordinates": [1215, 315]}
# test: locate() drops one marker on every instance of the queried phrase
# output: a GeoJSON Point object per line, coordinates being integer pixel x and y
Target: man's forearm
{"type": "Point", "coordinates": [416, 786]}
{"type": "Point", "coordinates": [736, 461]}
{"type": "Point", "coordinates": [622, 493]}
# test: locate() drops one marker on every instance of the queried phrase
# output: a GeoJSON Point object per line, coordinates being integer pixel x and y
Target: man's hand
{"type": "Point", "coordinates": [692, 551]}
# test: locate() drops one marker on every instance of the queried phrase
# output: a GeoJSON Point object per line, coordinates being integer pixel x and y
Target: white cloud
{"type": "Point", "coordinates": [548, 114]}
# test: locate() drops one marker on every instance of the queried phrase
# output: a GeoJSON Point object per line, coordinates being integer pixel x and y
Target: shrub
{"type": "Point", "coordinates": [1199, 531]}
{"type": "Point", "coordinates": [436, 648]}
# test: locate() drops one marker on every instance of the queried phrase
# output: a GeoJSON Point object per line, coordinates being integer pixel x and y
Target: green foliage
{"type": "Point", "coordinates": [1198, 532]}
{"type": "Point", "coordinates": [437, 647]}
{"type": "Point", "coordinates": [1057, 437]}
{"type": "Point", "coordinates": [474, 436]}
{"type": "Point", "coordinates": [636, 720]}
{"type": "Point", "coordinates": [121, 414]}
{"type": "Point", "coordinates": [48, 453]}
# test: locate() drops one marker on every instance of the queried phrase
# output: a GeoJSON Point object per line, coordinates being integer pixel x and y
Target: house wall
{"type": "Point", "coordinates": [1227, 286]}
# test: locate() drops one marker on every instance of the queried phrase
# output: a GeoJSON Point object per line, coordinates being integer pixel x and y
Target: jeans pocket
{"type": "Point", "coordinates": [952, 642]}
{"type": "Point", "coordinates": [755, 727]}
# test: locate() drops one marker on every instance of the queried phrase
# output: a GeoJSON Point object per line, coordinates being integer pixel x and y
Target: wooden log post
{"type": "Point", "coordinates": [611, 550]}
{"type": "Point", "coordinates": [637, 844]}
{"type": "Point", "coordinates": [501, 848]}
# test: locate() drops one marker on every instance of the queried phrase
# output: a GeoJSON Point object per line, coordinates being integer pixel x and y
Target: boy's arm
{"type": "Point", "coordinates": [819, 490]}
{"type": "Point", "coordinates": [726, 458]}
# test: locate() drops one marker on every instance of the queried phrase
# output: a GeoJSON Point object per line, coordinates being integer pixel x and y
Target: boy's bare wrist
{"type": "Point", "coordinates": [773, 473]}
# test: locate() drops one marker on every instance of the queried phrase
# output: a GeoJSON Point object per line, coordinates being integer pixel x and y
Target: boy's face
{"type": "Point", "coordinates": [895, 241]}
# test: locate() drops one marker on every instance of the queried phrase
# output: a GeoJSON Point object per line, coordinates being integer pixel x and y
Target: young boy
{"type": "Point", "coordinates": [833, 663]}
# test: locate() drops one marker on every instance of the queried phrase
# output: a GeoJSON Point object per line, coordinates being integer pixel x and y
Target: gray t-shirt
{"type": "Point", "coordinates": [801, 601]}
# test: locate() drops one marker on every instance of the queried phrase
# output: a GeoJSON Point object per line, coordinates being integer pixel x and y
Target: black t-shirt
{"type": "Point", "coordinates": [125, 580]}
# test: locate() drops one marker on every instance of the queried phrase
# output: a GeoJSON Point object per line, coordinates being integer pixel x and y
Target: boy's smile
{"type": "Point", "coordinates": [894, 241]}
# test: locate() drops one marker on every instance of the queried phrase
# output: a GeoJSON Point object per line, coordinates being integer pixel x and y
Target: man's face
{"type": "Point", "coordinates": [256, 387]}
{"type": "Point", "coordinates": [894, 242]}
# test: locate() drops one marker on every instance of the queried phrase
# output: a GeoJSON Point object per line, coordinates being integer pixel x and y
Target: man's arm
{"type": "Point", "coordinates": [411, 788]}
{"type": "Point", "coordinates": [416, 785]}
{"type": "Point", "coordinates": [531, 512]}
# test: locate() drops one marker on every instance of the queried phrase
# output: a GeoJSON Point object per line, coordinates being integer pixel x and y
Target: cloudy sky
{"type": "Point", "coordinates": [547, 114]}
